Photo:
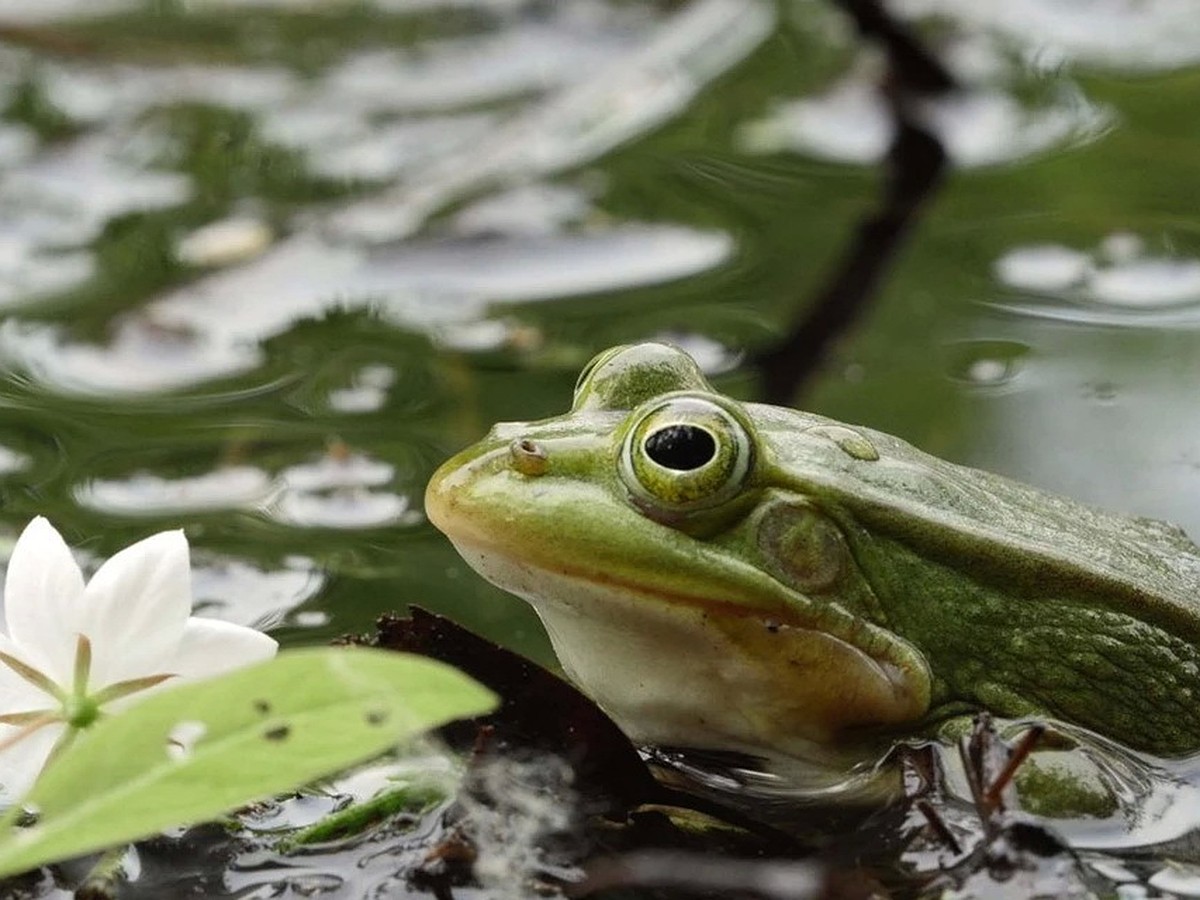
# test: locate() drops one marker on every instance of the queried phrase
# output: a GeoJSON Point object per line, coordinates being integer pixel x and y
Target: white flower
{"type": "Point", "coordinates": [73, 652]}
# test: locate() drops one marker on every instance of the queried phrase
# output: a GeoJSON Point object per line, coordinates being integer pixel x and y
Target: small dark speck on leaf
{"type": "Point", "coordinates": [278, 733]}
{"type": "Point", "coordinates": [375, 716]}
{"type": "Point", "coordinates": [262, 706]}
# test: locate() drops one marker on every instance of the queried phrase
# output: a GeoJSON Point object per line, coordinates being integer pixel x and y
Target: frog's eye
{"type": "Point", "coordinates": [685, 453]}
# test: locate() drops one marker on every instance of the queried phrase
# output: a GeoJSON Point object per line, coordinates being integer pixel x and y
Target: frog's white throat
{"type": "Point", "coordinates": [667, 676]}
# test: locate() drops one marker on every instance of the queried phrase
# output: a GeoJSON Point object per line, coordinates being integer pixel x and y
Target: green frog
{"type": "Point", "coordinates": [736, 576]}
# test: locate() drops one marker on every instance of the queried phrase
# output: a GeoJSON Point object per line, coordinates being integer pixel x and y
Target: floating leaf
{"type": "Point", "coordinates": [190, 753]}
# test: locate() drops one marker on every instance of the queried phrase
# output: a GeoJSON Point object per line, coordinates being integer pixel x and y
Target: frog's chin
{"type": "Point", "coordinates": [677, 674]}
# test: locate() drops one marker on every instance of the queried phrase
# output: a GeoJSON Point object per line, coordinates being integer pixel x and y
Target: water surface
{"type": "Point", "coordinates": [264, 264]}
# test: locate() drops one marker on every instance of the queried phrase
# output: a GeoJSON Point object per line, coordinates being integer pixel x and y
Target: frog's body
{"type": "Point", "coordinates": [740, 576]}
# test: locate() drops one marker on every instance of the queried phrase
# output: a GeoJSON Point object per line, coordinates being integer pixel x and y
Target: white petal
{"type": "Point", "coordinates": [21, 763]}
{"type": "Point", "coordinates": [16, 694]}
{"type": "Point", "coordinates": [135, 608]}
{"type": "Point", "coordinates": [210, 646]}
{"type": "Point", "coordinates": [42, 596]}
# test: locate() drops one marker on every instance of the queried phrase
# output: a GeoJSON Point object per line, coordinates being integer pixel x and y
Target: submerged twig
{"type": "Point", "coordinates": [992, 796]}
{"type": "Point", "coordinates": [939, 826]}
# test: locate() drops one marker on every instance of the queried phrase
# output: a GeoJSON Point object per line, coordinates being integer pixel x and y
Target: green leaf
{"type": "Point", "coordinates": [190, 753]}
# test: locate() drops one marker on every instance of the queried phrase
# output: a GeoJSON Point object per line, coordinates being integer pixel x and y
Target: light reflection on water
{"type": "Point", "coordinates": [1118, 282]}
{"type": "Point", "coordinates": [646, 86]}
{"type": "Point", "coordinates": [983, 126]}
{"type": "Point", "coordinates": [1143, 35]}
{"type": "Point", "coordinates": [215, 327]}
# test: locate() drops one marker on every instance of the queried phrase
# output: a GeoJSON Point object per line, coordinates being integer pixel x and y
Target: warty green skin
{"type": "Point", "coordinates": [847, 588]}
{"type": "Point", "coordinates": [1023, 602]}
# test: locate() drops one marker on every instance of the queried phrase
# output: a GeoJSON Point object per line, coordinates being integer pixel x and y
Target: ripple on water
{"type": "Point", "coordinates": [368, 390]}
{"type": "Point", "coordinates": [669, 62]}
{"type": "Point", "coordinates": [12, 461]}
{"type": "Point", "coordinates": [340, 470]}
{"type": "Point", "coordinates": [140, 358]}
{"type": "Point", "coordinates": [65, 195]}
{"type": "Point", "coordinates": [145, 494]}
{"type": "Point", "coordinates": [345, 508]}
{"type": "Point", "coordinates": [208, 330]}
{"type": "Point", "coordinates": [248, 595]}
{"type": "Point", "coordinates": [342, 489]}
{"type": "Point", "coordinates": [1157, 799]}
{"type": "Point", "coordinates": [566, 86]}
{"type": "Point", "coordinates": [356, 120]}
{"type": "Point", "coordinates": [1117, 282]}
{"type": "Point", "coordinates": [1118, 34]}
{"type": "Point", "coordinates": [117, 95]}
{"type": "Point", "coordinates": [986, 364]}
{"type": "Point", "coordinates": [851, 123]}
{"type": "Point", "coordinates": [60, 199]}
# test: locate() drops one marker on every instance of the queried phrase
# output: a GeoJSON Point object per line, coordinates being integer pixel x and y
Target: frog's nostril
{"type": "Point", "coordinates": [528, 457]}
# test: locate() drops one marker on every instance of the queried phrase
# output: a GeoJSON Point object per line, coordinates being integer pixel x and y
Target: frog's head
{"type": "Point", "coordinates": [683, 586]}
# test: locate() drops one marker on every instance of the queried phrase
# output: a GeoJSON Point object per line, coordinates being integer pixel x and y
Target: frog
{"type": "Point", "coordinates": [740, 577]}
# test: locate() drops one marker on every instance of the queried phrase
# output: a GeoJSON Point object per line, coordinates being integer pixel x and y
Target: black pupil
{"type": "Point", "coordinates": [681, 447]}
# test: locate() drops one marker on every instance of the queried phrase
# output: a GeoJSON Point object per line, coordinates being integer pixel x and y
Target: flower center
{"type": "Point", "coordinates": [79, 711]}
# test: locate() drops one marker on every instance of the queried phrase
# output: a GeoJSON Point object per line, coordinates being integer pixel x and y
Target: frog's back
{"type": "Point", "coordinates": [990, 525]}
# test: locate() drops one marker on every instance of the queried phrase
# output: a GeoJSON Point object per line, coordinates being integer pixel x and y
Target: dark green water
{"type": "Point", "coordinates": [425, 217]}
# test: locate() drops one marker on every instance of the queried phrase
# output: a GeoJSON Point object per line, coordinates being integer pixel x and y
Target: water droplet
{"type": "Point", "coordinates": [850, 441]}
{"type": "Point", "coordinates": [986, 363]}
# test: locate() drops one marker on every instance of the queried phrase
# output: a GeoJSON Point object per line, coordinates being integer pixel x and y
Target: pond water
{"type": "Point", "coordinates": [263, 265]}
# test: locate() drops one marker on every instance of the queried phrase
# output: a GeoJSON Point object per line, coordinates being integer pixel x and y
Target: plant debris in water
{"type": "Point", "coordinates": [601, 822]}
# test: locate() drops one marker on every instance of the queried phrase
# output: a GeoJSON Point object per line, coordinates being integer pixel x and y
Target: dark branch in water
{"type": "Point", "coordinates": [911, 64]}
{"type": "Point", "coordinates": [915, 164]}
{"type": "Point", "coordinates": [994, 795]}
